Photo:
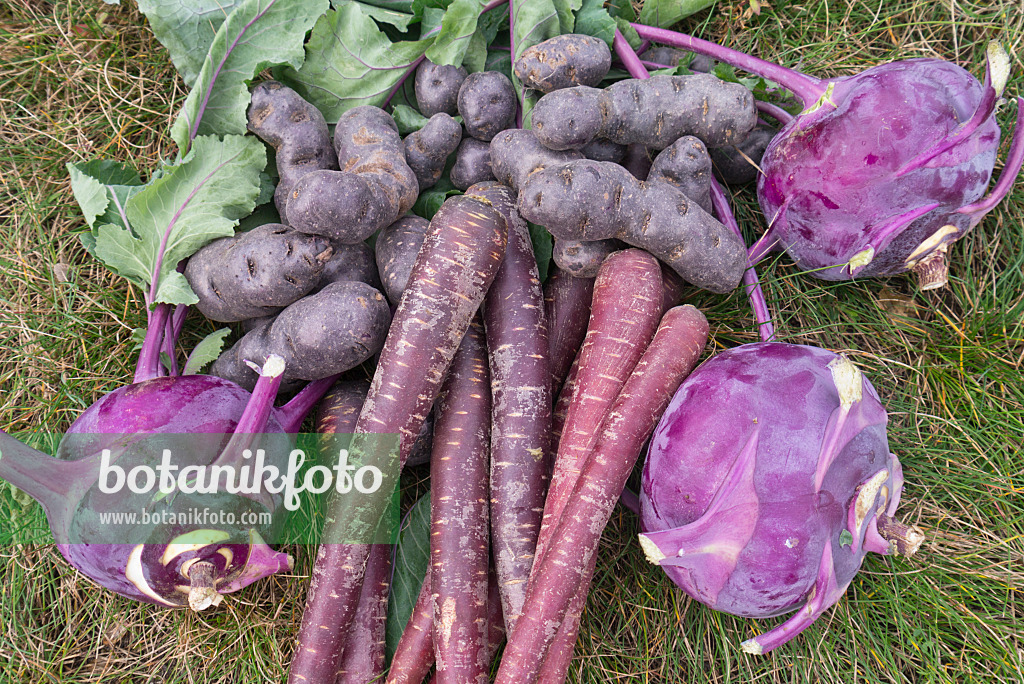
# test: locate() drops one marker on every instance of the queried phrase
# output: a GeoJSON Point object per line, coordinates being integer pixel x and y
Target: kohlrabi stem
{"type": "Point", "coordinates": [807, 88]}
{"type": "Point", "coordinates": [409, 71]}
{"type": "Point", "coordinates": [168, 347]}
{"type": "Point", "coordinates": [148, 366]}
{"type": "Point", "coordinates": [750, 281]}
{"type": "Point", "coordinates": [655, 65]}
{"type": "Point", "coordinates": [295, 411]}
{"type": "Point", "coordinates": [1011, 167]}
{"type": "Point", "coordinates": [628, 57]}
{"type": "Point", "coordinates": [906, 539]}
{"type": "Point", "coordinates": [202, 593]}
{"type": "Point", "coordinates": [44, 478]}
{"type": "Point", "coordinates": [253, 420]}
{"type": "Point", "coordinates": [774, 111]}
{"type": "Point", "coordinates": [643, 47]}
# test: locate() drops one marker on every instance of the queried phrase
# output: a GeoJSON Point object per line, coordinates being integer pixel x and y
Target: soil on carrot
{"type": "Point", "coordinates": [85, 79]}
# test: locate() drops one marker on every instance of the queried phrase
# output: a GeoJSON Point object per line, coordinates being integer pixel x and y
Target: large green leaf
{"type": "Point", "coordinates": [565, 9]}
{"type": "Point", "coordinates": [457, 30]}
{"type": "Point", "coordinates": [192, 203]}
{"type": "Point", "coordinates": [350, 62]}
{"type": "Point", "coordinates": [534, 21]}
{"type": "Point", "coordinates": [593, 20]}
{"type": "Point", "coordinates": [186, 28]}
{"type": "Point", "coordinates": [258, 34]}
{"type": "Point", "coordinates": [412, 561]}
{"type": "Point", "coordinates": [488, 27]}
{"type": "Point", "coordinates": [384, 15]}
{"type": "Point", "coordinates": [665, 13]}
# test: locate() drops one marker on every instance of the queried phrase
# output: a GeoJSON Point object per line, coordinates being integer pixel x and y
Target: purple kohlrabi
{"type": "Point", "coordinates": [883, 169]}
{"type": "Point", "coordinates": [170, 560]}
{"type": "Point", "coordinates": [768, 480]}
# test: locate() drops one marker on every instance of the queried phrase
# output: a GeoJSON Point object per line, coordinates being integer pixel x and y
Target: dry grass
{"type": "Point", "coordinates": [84, 80]}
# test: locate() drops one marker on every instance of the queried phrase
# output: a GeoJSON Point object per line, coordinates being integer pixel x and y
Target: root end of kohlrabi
{"type": "Point", "coordinates": [906, 540]}
{"type": "Point", "coordinates": [203, 593]}
{"type": "Point", "coordinates": [932, 273]}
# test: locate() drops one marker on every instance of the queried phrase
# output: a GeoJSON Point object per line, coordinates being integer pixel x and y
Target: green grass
{"type": "Point", "coordinates": [83, 79]}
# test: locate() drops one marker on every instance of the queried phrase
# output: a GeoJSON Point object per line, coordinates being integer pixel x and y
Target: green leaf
{"type": "Point", "coordinates": [535, 21]}
{"type": "Point", "coordinates": [408, 119]}
{"type": "Point", "coordinates": [845, 538]}
{"type": "Point", "coordinates": [385, 15]}
{"type": "Point", "coordinates": [412, 561]}
{"type": "Point", "coordinates": [665, 13]}
{"type": "Point", "coordinates": [593, 20]}
{"type": "Point", "coordinates": [101, 187]}
{"type": "Point", "coordinates": [457, 29]}
{"type": "Point", "coordinates": [350, 62]}
{"type": "Point", "coordinates": [543, 247]}
{"type": "Point", "coordinates": [565, 9]}
{"type": "Point", "coordinates": [186, 28]}
{"type": "Point", "coordinates": [622, 9]}
{"type": "Point", "coordinates": [191, 203]}
{"type": "Point", "coordinates": [431, 199]}
{"type": "Point", "coordinates": [258, 34]}
{"type": "Point", "coordinates": [404, 6]}
{"type": "Point", "coordinates": [499, 60]}
{"type": "Point", "coordinates": [206, 352]}
{"type": "Point", "coordinates": [490, 25]}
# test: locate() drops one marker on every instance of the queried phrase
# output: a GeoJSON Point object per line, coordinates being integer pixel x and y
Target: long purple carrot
{"type": "Point", "coordinates": [456, 264]}
{"type": "Point", "coordinates": [517, 347]}
{"type": "Point", "coordinates": [567, 309]}
{"type": "Point", "coordinates": [564, 570]}
{"type": "Point", "coordinates": [459, 540]}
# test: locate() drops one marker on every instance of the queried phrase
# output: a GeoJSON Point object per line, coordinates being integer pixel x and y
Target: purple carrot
{"type": "Point", "coordinates": [459, 540]}
{"type": "Point", "coordinates": [564, 570]}
{"type": "Point", "coordinates": [567, 309]}
{"type": "Point", "coordinates": [364, 655]}
{"type": "Point", "coordinates": [628, 296]}
{"type": "Point", "coordinates": [517, 348]}
{"type": "Point", "coordinates": [414, 654]}
{"type": "Point", "coordinates": [456, 264]}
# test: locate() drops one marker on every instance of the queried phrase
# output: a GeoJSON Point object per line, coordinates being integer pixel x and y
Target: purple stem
{"type": "Point", "coordinates": [148, 366]}
{"type": "Point", "coordinates": [168, 346]}
{"type": "Point", "coordinates": [807, 88]}
{"type": "Point", "coordinates": [629, 59]}
{"type": "Point", "coordinates": [295, 411]}
{"type": "Point", "coordinates": [630, 501]}
{"type": "Point", "coordinates": [774, 111]}
{"type": "Point", "coordinates": [1012, 166]}
{"type": "Point", "coordinates": [410, 70]}
{"type": "Point", "coordinates": [253, 420]}
{"type": "Point", "coordinates": [46, 479]}
{"type": "Point", "coordinates": [654, 65]}
{"type": "Point", "coordinates": [750, 280]}
{"type": "Point", "coordinates": [520, 104]}
{"type": "Point", "coordinates": [643, 47]}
